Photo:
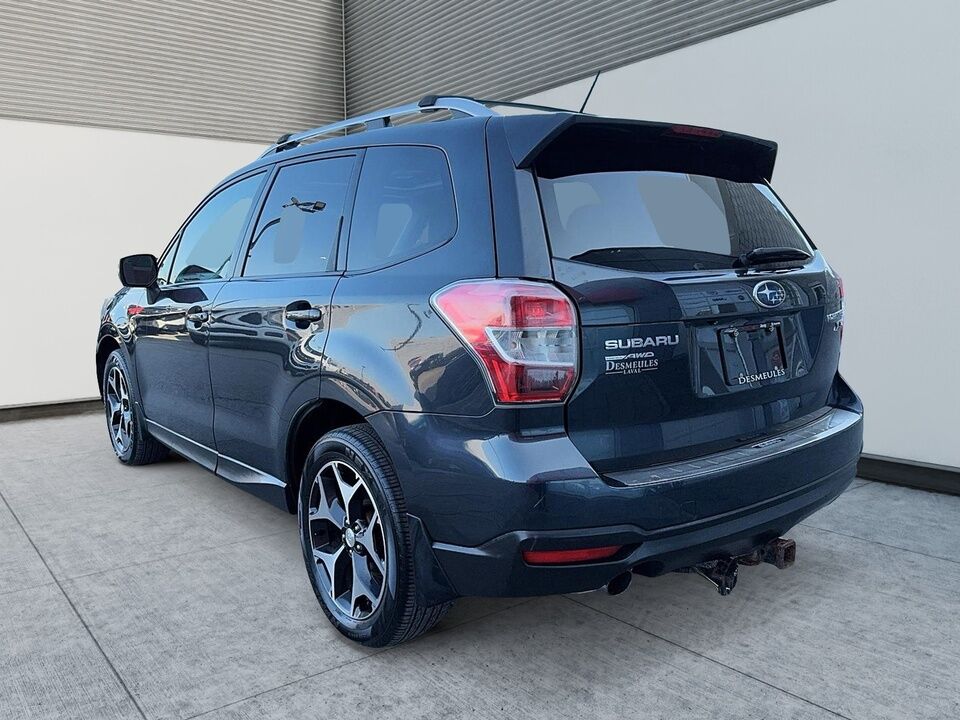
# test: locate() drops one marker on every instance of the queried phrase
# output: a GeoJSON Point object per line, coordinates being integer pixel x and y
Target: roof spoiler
{"type": "Point", "coordinates": [562, 144]}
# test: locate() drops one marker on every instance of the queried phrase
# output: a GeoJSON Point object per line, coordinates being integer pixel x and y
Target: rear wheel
{"type": "Point", "coordinates": [128, 436]}
{"type": "Point", "coordinates": [356, 541]}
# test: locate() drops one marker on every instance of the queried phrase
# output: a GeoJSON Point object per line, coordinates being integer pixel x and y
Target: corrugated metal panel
{"type": "Point", "coordinates": [238, 69]}
{"type": "Point", "coordinates": [397, 51]}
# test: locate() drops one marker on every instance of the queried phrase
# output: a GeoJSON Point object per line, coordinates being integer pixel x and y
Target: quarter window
{"type": "Point", "coordinates": [208, 241]}
{"type": "Point", "coordinates": [404, 206]}
{"type": "Point", "coordinates": [298, 229]}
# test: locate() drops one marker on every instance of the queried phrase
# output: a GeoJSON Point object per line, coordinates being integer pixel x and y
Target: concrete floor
{"type": "Point", "coordinates": [163, 592]}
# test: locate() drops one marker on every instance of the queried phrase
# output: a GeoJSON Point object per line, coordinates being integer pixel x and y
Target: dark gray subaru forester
{"type": "Point", "coordinates": [510, 353]}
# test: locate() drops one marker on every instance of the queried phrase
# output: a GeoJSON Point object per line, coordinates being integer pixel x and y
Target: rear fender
{"type": "Point", "coordinates": [382, 369]}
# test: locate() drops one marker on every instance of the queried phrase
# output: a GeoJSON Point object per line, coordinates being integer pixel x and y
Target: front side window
{"type": "Point", "coordinates": [208, 240]}
{"type": "Point", "coordinates": [298, 229]}
{"type": "Point", "coordinates": [404, 206]}
{"type": "Point", "coordinates": [662, 221]}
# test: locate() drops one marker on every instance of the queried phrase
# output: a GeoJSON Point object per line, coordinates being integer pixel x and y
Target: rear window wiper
{"type": "Point", "coordinates": [765, 255]}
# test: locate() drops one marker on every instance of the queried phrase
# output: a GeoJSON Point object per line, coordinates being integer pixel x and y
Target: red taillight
{"type": "Point", "coordinates": [524, 334]}
{"type": "Point", "coordinates": [566, 557]}
{"type": "Point", "coordinates": [134, 310]}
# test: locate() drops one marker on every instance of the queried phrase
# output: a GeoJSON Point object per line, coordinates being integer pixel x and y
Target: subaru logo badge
{"type": "Point", "coordinates": [769, 293]}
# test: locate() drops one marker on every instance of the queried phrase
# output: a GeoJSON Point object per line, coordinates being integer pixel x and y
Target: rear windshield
{"type": "Point", "coordinates": [662, 221]}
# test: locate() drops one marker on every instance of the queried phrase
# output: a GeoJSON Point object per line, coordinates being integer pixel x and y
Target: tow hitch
{"type": "Point", "coordinates": [722, 574]}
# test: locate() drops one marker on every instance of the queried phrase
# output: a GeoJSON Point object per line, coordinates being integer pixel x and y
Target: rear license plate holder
{"type": "Point", "coordinates": [753, 355]}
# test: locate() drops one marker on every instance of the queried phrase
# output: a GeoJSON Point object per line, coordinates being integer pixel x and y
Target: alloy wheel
{"type": "Point", "coordinates": [119, 410]}
{"type": "Point", "coordinates": [347, 540]}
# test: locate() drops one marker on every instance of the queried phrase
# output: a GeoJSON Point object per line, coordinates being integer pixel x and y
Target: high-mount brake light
{"type": "Point", "coordinates": [695, 131]}
{"type": "Point", "coordinates": [523, 333]}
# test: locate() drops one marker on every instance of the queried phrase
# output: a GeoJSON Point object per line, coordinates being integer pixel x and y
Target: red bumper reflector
{"type": "Point", "coordinates": [565, 557]}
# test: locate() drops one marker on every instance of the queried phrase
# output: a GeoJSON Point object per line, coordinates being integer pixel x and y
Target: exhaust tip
{"type": "Point", "coordinates": [620, 583]}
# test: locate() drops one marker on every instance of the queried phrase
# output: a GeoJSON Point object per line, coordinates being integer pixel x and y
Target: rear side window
{"type": "Point", "coordinates": [300, 223]}
{"type": "Point", "coordinates": [662, 221]}
{"type": "Point", "coordinates": [404, 206]}
{"type": "Point", "coordinates": [208, 240]}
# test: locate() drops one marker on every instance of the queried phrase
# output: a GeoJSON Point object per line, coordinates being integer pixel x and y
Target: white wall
{"type": "Point", "coordinates": [73, 200]}
{"type": "Point", "coordinates": [864, 99]}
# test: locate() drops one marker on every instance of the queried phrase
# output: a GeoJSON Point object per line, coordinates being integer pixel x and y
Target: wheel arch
{"type": "Point", "coordinates": [340, 405]}
{"type": "Point", "coordinates": [106, 345]}
{"type": "Point", "coordinates": [311, 423]}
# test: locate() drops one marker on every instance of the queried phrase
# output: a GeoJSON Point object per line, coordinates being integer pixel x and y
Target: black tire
{"type": "Point", "coordinates": [399, 616]}
{"type": "Point", "coordinates": [137, 447]}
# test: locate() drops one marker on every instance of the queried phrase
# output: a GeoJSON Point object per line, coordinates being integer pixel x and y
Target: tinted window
{"type": "Point", "coordinates": [404, 206]}
{"type": "Point", "coordinates": [298, 228]}
{"type": "Point", "coordinates": [207, 242]}
{"type": "Point", "coordinates": [662, 221]}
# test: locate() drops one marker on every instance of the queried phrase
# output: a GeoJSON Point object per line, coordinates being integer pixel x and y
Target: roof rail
{"type": "Point", "coordinates": [382, 118]}
{"type": "Point", "coordinates": [509, 103]}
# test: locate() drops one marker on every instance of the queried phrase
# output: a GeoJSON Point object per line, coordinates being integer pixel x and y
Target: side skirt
{"type": "Point", "coordinates": [263, 485]}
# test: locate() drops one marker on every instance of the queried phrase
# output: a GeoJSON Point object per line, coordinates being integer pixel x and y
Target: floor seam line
{"type": "Point", "coordinates": [154, 484]}
{"type": "Point", "coordinates": [709, 659]}
{"type": "Point", "coordinates": [381, 651]}
{"type": "Point", "coordinates": [286, 684]}
{"type": "Point", "coordinates": [76, 611]}
{"type": "Point", "coordinates": [63, 456]}
{"type": "Point", "coordinates": [29, 587]}
{"type": "Point", "coordinates": [881, 544]}
{"type": "Point", "coordinates": [173, 557]}
{"type": "Point", "coordinates": [28, 504]}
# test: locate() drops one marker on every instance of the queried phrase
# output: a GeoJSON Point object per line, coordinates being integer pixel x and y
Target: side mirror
{"type": "Point", "coordinates": [138, 271]}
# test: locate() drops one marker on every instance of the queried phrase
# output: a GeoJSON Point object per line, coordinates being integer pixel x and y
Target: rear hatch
{"type": "Point", "coordinates": [708, 319]}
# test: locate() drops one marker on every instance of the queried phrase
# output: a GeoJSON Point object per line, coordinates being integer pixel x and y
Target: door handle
{"type": "Point", "coordinates": [198, 317]}
{"type": "Point", "coordinates": [308, 315]}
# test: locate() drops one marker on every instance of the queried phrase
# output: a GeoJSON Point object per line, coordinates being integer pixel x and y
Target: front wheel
{"type": "Point", "coordinates": [356, 541]}
{"type": "Point", "coordinates": [128, 436]}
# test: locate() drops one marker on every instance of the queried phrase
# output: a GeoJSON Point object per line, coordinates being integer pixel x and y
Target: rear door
{"type": "Point", "coordinates": [269, 325]}
{"type": "Point", "coordinates": [693, 340]}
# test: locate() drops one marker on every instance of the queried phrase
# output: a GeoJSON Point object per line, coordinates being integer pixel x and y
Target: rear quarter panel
{"type": "Point", "coordinates": [387, 347]}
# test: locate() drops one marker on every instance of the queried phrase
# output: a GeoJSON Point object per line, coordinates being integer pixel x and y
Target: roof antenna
{"type": "Point", "coordinates": [590, 91]}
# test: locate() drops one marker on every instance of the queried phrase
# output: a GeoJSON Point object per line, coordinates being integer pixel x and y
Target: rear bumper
{"type": "Point", "coordinates": [480, 497]}
{"type": "Point", "coordinates": [497, 568]}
